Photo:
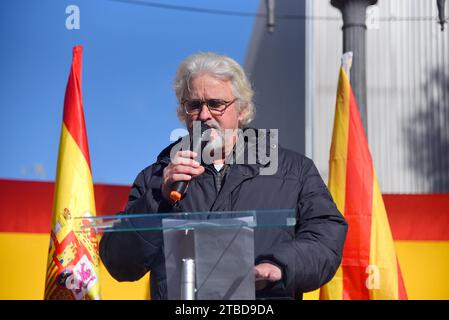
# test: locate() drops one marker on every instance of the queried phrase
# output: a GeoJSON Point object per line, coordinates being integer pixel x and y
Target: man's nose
{"type": "Point", "coordinates": [204, 113]}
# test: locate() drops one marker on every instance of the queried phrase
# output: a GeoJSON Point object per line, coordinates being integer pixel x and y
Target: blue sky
{"type": "Point", "coordinates": [130, 57]}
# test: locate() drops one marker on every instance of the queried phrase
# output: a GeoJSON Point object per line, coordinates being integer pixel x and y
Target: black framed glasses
{"type": "Point", "coordinates": [215, 106]}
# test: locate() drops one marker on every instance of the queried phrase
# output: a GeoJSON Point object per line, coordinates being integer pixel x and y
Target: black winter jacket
{"type": "Point", "coordinates": [308, 254]}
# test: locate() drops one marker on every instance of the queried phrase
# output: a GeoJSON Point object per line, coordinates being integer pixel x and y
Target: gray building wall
{"type": "Point", "coordinates": [295, 73]}
{"type": "Point", "coordinates": [276, 66]}
{"type": "Point", "coordinates": [407, 94]}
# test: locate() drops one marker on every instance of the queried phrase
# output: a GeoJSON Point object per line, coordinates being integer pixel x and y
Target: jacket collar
{"type": "Point", "coordinates": [247, 145]}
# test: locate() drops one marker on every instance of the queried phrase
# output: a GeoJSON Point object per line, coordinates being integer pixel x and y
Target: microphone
{"type": "Point", "coordinates": [179, 188]}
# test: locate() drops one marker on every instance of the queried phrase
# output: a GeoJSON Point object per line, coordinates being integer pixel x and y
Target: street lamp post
{"type": "Point", "coordinates": [354, 28]}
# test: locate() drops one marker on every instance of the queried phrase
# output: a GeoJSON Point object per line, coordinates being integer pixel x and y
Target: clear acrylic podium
{"type": "Point", "coordinates": [208, 255]}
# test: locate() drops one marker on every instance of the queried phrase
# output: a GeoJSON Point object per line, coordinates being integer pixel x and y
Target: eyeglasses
{"type": "Point", "coordinates": [215, 106]}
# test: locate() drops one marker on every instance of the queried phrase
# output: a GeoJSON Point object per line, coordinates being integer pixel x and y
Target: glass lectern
{"type": "Point", "coordinates": [208, 255]}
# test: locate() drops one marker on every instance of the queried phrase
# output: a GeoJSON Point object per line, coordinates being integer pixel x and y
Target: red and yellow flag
{"type": "Point", "coordinates": [370, 268]}
{"type": "Point", "coordinates": [73, 262]}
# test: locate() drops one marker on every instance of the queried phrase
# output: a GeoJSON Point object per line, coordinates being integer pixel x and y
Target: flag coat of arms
{"type": "Point", "coordinates": [73, 262]}
{"type": "Point", "coordinates": [369, 268]}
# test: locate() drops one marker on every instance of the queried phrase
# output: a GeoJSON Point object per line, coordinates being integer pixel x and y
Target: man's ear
{"type": "Point", "coordinates": [243, 114]}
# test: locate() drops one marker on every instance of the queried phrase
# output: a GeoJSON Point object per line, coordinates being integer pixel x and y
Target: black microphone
{"type": "Point", "coordinates": [179, 188]}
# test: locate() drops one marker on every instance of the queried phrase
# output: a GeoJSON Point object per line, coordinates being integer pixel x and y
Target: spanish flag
{"type": "Point", "coordinates": [370, 268]}
{"type": "Point", "coordinates": [73, 262]}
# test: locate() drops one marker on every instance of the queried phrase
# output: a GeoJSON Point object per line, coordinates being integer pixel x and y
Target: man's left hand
{"type": "Point", "coordinates": [266, 272]}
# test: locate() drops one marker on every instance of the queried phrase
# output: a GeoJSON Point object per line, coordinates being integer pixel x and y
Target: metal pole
{"type": "Point", "coordinates": [270, 15]}
{"type": "Point", "coordinates": [188, 279]}
{"type": "Point", "coordinates": [309, 107]}
{"type": "Point", "coordinates": [441, 19]}
{"type": "Point", "coordinates": [354, 28]}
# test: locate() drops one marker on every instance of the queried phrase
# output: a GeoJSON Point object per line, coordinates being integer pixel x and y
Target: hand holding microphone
{"type": "Point", "coordinates": [183, 167]}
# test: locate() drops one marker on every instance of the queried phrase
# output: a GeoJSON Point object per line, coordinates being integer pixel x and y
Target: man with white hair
{"type": "Point", "coordinates": [213, 90]}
